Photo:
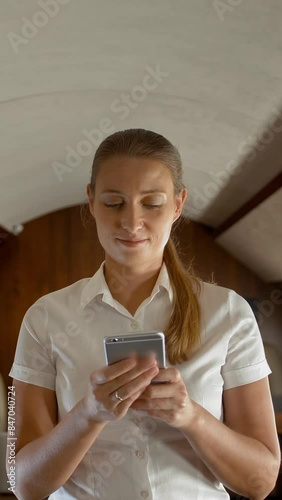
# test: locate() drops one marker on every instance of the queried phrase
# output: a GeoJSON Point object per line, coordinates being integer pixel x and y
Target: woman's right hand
{"type": "Point", "coordinates": [129, 377]}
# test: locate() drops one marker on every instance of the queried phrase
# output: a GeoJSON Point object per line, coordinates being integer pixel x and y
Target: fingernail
{"type": "Point", "coordinates": [100, 378]}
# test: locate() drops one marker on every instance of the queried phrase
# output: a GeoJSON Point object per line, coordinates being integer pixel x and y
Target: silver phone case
{"type": "Point", "coordinates": [119, 347]}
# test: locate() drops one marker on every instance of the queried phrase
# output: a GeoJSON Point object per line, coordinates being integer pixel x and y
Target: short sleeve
{"type": "Point", "coordinates": [245, 360]}
{"type": "Point", "coordinates": [32, 362]}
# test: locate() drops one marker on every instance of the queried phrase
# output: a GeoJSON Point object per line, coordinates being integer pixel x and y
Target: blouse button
{"type": "Point", "coordinates": [134, 325]}
{"type": "Point", "coordinates": [140, 454]}
{"type": "Point", "coordinates": [144, 493]}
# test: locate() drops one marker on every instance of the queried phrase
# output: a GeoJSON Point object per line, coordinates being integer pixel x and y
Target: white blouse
{"type": "Point", "coordinates": [61, 343]}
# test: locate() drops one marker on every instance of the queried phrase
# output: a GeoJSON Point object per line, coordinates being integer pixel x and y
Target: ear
{"type": "Point", "coordinates": [179, 203]}
{"type": "Point", "coordinates": [91, 200]}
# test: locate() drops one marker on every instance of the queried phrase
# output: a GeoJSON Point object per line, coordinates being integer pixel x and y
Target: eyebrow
{"type": "Point", "coordinates": [142, 192]}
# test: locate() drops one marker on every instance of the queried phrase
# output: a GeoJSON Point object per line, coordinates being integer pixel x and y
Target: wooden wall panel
{"type": "Point", "coordinates": [11, 307]}
{"type": "Point", "coordinates": [56, 250]}
{"type": "Point", "coordinates": [59, 249]}
{"type": "Point", "coordinates": [211, 260]}
{"type": "Point", "coordinates": [86, 252]}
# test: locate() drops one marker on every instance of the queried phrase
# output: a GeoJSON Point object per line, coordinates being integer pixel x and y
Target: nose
{"type": "Point", "coordinates": [132, 220]}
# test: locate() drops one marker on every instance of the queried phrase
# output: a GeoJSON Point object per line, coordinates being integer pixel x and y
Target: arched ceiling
{"type": "Point", "coordinates": [205, 74]}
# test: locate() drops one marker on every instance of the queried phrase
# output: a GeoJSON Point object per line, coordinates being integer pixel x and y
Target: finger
{"type": "Point", "coordinates": [168, 375]}
{"type": "Point", "coordinates": [159, 404]}
{"type": "Point", "coordinates": [109, 372]}
{"type": "Point", "coordinates": [120, 409]}
{"type": "Point", "coordinates": [171, 417]}
{"type": "Point", "coordinates": [112, 372]}
{"type": "Point", "coordinates": [140, 368]}
{"type": "Point", "coordinates": [106, 393]}
{"type": "Point", "coordinates": [126, 389]}
{"type": "Point", "coordinates": [168, 390]}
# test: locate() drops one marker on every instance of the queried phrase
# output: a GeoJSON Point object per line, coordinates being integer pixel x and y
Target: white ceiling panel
{"type": "Point", "coordinates": [215, 79]}
{"type": "Point", "coordinates": [256, 240]}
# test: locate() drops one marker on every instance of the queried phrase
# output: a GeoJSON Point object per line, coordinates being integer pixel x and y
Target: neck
{"type": "Point", "coordinates": [125, 281]}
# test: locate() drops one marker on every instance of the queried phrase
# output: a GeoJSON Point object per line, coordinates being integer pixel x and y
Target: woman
{"type": "Point", "coordinates": [86, 430]}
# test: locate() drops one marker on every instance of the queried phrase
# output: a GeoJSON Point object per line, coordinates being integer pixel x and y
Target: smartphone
{"type": "Point", "coordinates": [120, 347]}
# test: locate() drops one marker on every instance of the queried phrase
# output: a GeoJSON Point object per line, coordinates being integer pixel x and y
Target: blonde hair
{"type": "Point", "coordinates": [183, 330]}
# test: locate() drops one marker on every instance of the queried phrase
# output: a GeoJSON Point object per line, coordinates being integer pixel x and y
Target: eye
{"type": "Point", "coordinates": [112, 205]}
{"type": "Point", "coordinates": [118, 205]}
{"type": "Point", "coordinates": [153, 206]}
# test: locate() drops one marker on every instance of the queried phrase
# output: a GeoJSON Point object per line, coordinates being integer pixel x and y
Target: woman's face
{"type": "Point", "coordinates": [134, 200]}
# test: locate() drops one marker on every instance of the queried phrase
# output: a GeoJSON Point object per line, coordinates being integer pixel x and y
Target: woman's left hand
{"type": "Point", "coordinates": [168, 401]}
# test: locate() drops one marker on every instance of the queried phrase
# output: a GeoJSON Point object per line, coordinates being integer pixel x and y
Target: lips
{"type": "Point", "coordinates": [132, 240]}
{"type": "Point", "coordinates": [132, 243]}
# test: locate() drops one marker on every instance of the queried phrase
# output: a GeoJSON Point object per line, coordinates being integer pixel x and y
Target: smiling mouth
{"type": "Point", "coordinates": [132, 242]}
